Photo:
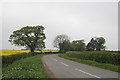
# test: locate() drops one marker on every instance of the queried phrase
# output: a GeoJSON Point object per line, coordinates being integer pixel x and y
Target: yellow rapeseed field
{"type": "Point", "coordinates": [11, 52]}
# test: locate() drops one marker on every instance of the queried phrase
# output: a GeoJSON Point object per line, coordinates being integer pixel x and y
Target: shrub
{"type": "Point", "coordinates": [98, 56]}
{"type": "Point", "coordinates": [6, 60]}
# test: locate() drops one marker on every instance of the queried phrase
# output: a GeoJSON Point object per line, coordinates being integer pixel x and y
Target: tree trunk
{"type": "Point", "coordinates": [32, 50]}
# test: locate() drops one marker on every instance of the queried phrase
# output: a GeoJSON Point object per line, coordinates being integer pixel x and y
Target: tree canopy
{"type": "Point", "coordinates": [96, 44]}
{"type": "Point", "coordinates": [31, 37]}
{"type": "Point", "coordinates": [100, 41]}
{"type": "Point", "coordinates": [60, 40]}
{"type": "Point", "coordinates": [91, 45]}
{"type": "Point", "coordinates": [63, 43]}
{"type": "Point", "coordinates": [78, 45]}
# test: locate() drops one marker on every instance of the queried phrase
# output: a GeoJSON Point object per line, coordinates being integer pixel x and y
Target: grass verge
{"type": "Point", "coordinates": [30, 67]}
{"type": "Point", "coordinates": [92, 63]}
{"type": "Point", "coordinates": [7, 60]}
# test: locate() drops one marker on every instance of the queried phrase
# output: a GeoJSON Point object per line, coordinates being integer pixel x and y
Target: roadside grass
{"type": "Point", "coordinates": [27, 68]}
{"type": "Point", "coordinates": [92, 63]}
{"type": "Point", "coordinates": [7, 60]}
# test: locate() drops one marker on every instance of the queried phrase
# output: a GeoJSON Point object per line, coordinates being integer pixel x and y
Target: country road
{"type": "Point", "coordinates": [62, 68]}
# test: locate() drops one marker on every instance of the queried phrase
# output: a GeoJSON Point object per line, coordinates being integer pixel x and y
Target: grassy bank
{"type": "Point", "coordinates": [92, 63]}
{"type": "Point", "coordinates": [30, 67]}
{"type": "Point", "coordinates": [7, 60]}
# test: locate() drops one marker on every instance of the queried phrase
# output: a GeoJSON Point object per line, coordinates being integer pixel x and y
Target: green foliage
{"type": "Point", "coordinates": [77, 45]}
{"type": "Point", "coordinates": [31, 37]}
{"type": "Point", "coordinates": [96, 44]}
{"type": "Point", "coordinates": [98, 56]}
{"type": "Point", "coordinates": [91, 45]}
{"type": "Point", "coordinates": [100, 43]}
{"type": "Point", "coordinates": [92, 63]}
{"type": "Point", "coordinates": [29, 68]}
{"type": "Point", "coordinates": [65, 46]}
{"type": "Point", "coordinates": [61, 42]}
{"type": "Point", "coordinates": [7, 60]}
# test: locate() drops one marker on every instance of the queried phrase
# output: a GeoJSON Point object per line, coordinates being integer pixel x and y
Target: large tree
{"type": "Point", "coordinates": [91, 46]}
{"type": "Point", "coordinates": [65, 46]}
{"type": "Point", "coordinates": [78, 45]}
{"type": "Point", "coordinates": [100, 41]}
{"type": "Point", "coordinates": [96, 43]}
{"type": "Point", "coordinates": [31, 37]}
{"type": "Point", "coordinates": [60, 40]}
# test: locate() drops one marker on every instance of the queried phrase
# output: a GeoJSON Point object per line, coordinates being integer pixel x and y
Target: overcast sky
{"type": "Point", "coordinates": [78, 20]}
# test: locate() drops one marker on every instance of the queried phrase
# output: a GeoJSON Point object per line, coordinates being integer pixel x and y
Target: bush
{"type": "Point", "coordinates": [98, 56]}
{"type": "Point", "coordinates": [6, 60]}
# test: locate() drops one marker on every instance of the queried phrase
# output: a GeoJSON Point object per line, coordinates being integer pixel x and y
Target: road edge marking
{"type": "Point", "coordinates": [64, 64]}
{"type": "Point", "coordinates": [87, 73]}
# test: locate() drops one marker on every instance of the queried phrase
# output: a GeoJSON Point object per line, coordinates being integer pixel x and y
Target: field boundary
{"type": "Point", "coordinates": [92, 63]}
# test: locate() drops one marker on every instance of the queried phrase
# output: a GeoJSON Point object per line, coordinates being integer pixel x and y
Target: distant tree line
{"type": "Point", "coordinates": [32, 37]}
{"type": "Point", "coordinates": [63, 43]}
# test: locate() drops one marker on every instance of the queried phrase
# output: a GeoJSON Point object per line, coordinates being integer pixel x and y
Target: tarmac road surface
{"type": "Point", "coordinates": [61, 68]}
